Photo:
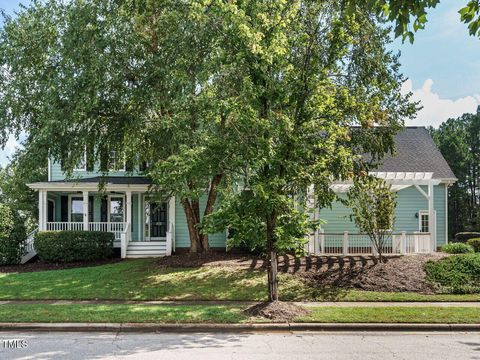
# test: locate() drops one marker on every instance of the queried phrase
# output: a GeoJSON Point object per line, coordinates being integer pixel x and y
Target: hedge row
{"type": "Point", "coordinates": [457, 248]}
{"type": "Point", "coordinates": [457, 274]}
{"type": "Point", "coordinates": [69, 246]}
{"type": "Point", "coordinates": [475, 244]}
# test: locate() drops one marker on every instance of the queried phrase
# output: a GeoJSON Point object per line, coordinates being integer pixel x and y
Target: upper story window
{"type": "Point", "coordinates": [82, 164]}
{"type": "Point", "coordinates": [116, 161]}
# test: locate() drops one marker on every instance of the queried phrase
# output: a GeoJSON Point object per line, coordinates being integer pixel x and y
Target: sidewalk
{"type": "Point", "coordinates": [245, 303]}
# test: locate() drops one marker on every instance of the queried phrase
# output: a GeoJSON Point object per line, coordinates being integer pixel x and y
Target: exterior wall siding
{"type": "Point", "coordinates": [182, 239]}
{"type": "Point", "coordinates": [409, 202]}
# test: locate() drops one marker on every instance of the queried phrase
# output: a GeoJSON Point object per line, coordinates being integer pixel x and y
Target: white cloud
{"type": "Point", "coordinates": [435, 109]}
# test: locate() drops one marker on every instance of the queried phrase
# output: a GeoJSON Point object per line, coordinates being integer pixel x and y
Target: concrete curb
{"type": "Point", "coordinates": [223, 328]}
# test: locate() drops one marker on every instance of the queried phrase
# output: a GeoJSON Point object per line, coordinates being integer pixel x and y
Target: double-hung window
{"type": "Point", "coordinates": [116, 161]}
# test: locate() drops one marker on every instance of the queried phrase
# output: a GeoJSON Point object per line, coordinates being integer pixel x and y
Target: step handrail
{"type": "Point", "coordinates": [29, 241]}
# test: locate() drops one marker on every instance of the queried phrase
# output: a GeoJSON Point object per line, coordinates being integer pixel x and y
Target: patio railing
{"type": "Point", "coordinates": [347, 243]}
{"type": "Point", "coordinates": [115, 227]}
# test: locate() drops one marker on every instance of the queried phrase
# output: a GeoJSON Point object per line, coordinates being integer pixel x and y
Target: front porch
{"type": "Point", "coordinates": [142, 226]}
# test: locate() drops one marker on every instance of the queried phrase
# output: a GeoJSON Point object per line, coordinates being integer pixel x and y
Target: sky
{"type": "Point", "coordinates": [442, 67]}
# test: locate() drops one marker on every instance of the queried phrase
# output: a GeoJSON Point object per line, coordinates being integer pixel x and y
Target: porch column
{"type": "Point", "coordinates": [128, 207]}
{"type": "Point", "coordinates": [432, 222]}
{"type": "Point", "coordinates": [42, 210]}
{"type": "Point", "coordinates": [85, 210]}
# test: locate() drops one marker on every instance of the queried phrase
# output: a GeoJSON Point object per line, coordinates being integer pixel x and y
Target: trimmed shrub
{"type": "Point", "coordinates": [12, 235]}
{"type": "Point", "coordinates": [69, 246]}
{"type": "Point", "coordinates": [457, 248]}
{"type": "Point", "coordinates": [475, 244]}
{"type": "Point", "coordinates": [463, 237]}
{"type": "Point", "coordinates": [458, 274]}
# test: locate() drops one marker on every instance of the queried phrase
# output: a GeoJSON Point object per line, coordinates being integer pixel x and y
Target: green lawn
{"type": "Point", "coordinates": [142, 280]}
{"type": "Point", "coordinates": [227, 314]}
{"type": "Point", "coordinates": [458, 315]}
{"type": "Point", "coordinates": [122, 313]}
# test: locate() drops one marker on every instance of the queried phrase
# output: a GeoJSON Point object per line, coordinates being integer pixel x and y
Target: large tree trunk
{"type": "Point", "coordinates": [271, 260]}
{"type": "Point", "coordinates": [199, 241]}
{"type": "Point", "coordinates": [192, 223]}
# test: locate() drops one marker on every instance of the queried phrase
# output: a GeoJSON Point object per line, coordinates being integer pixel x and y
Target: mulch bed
{"type": "Point", "coordinates": [43, 266]}
{"type": "Point", "coordinates": [395, 274]}
{"type": "Point", "coordinates": [277, 311]}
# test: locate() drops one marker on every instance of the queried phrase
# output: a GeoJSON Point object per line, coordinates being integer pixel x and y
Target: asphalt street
{"type": "Point", "coordinates": [211, 346]}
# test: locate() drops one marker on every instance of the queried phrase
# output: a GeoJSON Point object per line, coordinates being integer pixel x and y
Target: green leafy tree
{"type": "Point", "coordinates": [24, 167]}
{"type": "Point", "coordinates": [311, 76]}
{"type": "Point", "coordinates": [145, 78]}
{"type": "Point", "coordinates": [12, 235]}
{"type": "Point", "coordinates": [373, 210]}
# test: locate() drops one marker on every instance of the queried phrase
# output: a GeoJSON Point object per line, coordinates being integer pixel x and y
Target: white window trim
{"type": "Point", "coordinates": [112, 168]}
{"type": "Point", "coordinates": [425, 212]}
{"type": "Point", "coordinates": [145, 201]}
{"type": "Point", "coordinates": [84, 162]}
{"type": "Point", "coordinates": [109, 207]}
{"type": "Point", "coordinates": [70, 196]}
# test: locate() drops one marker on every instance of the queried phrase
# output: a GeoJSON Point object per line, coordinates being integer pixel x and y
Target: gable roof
{"type": "Point", "coordinates": [415, 151]}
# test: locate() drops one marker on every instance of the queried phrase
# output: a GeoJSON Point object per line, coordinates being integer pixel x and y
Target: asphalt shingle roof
{"type": "Point", "coordinates": [417, 152]}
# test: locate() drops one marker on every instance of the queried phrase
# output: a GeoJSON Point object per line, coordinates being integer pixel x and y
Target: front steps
{"type": "Point", "coordinates": [28, 256]}
{"type": "Point", "coordinates": [145, 249]}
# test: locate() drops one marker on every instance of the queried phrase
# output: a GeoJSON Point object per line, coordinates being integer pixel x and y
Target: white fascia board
{"type": "Point", "coordinates": [65, 186]}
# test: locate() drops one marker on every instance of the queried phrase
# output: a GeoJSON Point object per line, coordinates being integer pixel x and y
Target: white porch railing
{"type": "Point", "coordinates": [114, 227]}
{"type": "Point", "coordinates": [357, 244]}
{"type": "Point", "coordinates": [125, 237]}
{"type": "Point", "coordinates": [59, 226]}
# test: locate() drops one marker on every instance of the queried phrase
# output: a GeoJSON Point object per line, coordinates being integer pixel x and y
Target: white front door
{"type": "Point", "coordinates": [156, 220]}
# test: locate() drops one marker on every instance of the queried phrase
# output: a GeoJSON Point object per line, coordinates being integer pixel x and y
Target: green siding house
{"type": "Point", "coordinates": [145, 227]}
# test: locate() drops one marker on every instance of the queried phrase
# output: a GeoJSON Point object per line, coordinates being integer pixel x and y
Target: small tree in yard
{"type": "Point", "coordinates": [373, 206]}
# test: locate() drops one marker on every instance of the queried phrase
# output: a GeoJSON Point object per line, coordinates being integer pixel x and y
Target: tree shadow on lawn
{"type": "Point", "coordinates": [311, 277]}
{"type": "Point", "coordinates": [329, 277]}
